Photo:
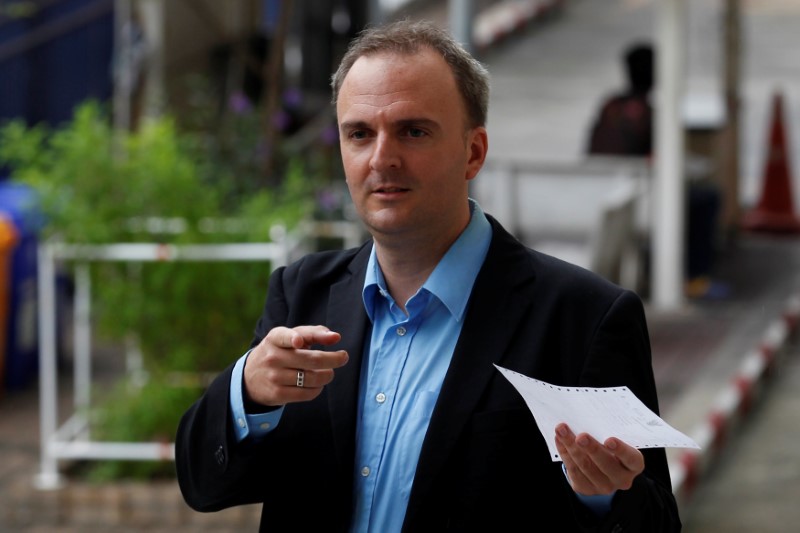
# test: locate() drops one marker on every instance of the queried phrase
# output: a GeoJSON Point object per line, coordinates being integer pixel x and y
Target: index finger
{"type": "Point", "coordinates": [317, 335]}
{"type": "Point", "coordinates": [320, 359]}
{"type": "Point", "coordinates": [302, 336]}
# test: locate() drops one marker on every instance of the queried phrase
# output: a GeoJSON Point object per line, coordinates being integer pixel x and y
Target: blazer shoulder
{"type": "Point", "coordinates": [508, 254]}
{"type": "Point", "coordinates": [328, 263]}
{"type": "Point", "coordinates": [548, 279]}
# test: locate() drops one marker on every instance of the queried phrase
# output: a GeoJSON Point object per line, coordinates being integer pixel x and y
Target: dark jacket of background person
{"type": "Point", "coordinates": [624, 123]}
{"type": "Point", "coordinates": [484, 465]}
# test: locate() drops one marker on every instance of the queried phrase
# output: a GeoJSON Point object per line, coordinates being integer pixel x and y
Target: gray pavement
{"type": "Point", "coordinates": [547, 82]}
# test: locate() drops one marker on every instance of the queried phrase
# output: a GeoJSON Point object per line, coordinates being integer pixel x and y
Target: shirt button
{"type": "Point", "coordinates": [241, 422]}
{"type": "Point", "coordinates": [364, 471]}
{"type": "Point", "coordinates": [264, 425]}
{"type": "Point", "coordinates": [401, 331]}
{"type": "Point", "coordinates": [380, 397]}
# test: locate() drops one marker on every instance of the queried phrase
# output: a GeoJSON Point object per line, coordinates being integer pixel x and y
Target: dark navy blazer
{"type": "Point", "coordinates": [484, 465]}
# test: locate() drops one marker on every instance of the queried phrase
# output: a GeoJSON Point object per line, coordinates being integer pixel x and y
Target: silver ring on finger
{"type": "Point", "coordinates": [301, 377]}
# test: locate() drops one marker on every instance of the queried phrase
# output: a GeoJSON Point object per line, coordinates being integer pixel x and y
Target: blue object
{"type": "Point", "coordinates": [55, 58]}
{"type": "Point", "coordinates": [18, 204]}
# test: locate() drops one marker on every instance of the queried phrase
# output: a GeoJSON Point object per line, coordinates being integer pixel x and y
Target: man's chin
{"type": "Point", "coordinates": [389, 224]}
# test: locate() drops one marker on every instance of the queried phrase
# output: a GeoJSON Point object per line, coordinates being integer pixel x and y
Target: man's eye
{"type": "Point", "coordinates": [415, 132]}
{"type": "Point", "coordinates": [358, 134]}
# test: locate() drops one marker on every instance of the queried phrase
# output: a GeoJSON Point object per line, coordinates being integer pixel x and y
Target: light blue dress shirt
{"type": "Point", "coordinates": [406, 362]}
{"type": "Point", "coordinates": [407, 359]}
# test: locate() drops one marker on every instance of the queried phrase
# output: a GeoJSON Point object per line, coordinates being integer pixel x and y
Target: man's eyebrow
{"type": "Point", "coordinates": [353, 125]}
{"type": "Point", "coordinates": [429, 123]}
{"type": "Point", "coordinates": [404, 123]}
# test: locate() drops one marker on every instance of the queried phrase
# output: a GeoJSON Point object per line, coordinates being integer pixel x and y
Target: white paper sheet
{"type": "Point", "coordinates": [600, 412]}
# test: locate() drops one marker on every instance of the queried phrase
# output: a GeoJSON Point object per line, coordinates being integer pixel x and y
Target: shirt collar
{"type": "Point", "coordinates": [452, 279]}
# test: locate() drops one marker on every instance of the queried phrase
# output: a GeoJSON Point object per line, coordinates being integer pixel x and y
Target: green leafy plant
{"type": "Point", "coordinates": [131, 411]}
{"type": "Point", "coordinates": [95, 185]}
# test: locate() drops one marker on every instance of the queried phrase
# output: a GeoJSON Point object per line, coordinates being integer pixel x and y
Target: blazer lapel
{"type": "Point", "coordinates": [484, 338]}
{"type": "Point", "coordinates": [347, 316]}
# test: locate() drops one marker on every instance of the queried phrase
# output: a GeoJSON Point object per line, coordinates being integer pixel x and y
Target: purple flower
{"type": "Point", "coordinates": [292, 97]}
{"type": "Point", "coordinates": [330, 135]}
{"type": "Point", "coordinates": [281, 120]}
{"type": "Point", "coordinates": [327, 200]}
{"type": "Point", "coordinates": [239, 103]}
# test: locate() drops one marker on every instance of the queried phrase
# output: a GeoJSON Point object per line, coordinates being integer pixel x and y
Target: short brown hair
{"type": "Point", "coordinates": [408, 37]}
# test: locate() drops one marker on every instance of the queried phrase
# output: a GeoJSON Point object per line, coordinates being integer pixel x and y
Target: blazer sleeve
{"type": "Point", "coordinates": [214, 470]}
{"type": "Point", "coordinates": [306, 454]}
{"type": "Point", "coordinates": [649, 505]}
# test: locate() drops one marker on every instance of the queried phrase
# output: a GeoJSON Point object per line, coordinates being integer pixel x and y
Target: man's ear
{"type": "Point", "coordinates": [478, 146]}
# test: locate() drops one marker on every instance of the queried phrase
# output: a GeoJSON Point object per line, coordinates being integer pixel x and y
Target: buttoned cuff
{"type": "Point", "coordinates": [244, 425]}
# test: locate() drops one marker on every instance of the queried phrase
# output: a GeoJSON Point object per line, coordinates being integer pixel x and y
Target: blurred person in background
{"type": "Point", "coordinates": [623, 126]}
{"type": "Point", "coordinates": [624, 122]}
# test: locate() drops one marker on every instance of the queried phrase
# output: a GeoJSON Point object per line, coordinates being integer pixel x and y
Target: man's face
{"type": "Point", "coordinates": [407, 151]}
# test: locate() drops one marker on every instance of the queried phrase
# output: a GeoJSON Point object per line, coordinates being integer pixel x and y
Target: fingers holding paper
{"type": "Point", "coordinates": [597, 468]}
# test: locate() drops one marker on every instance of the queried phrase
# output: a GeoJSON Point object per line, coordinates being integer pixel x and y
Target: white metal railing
{"type": "Point", "coordinates": [557, 197]}
{"type": "Point", "coordinates": [573, 209]}
{"type": "Point", "coordinates": [72, 439]}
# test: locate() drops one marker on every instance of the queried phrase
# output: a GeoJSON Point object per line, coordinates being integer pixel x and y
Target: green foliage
{"type": "Point", "coordinates": [96, 185]}
{"type": "Point", "coordinates": [131, 411]}
{"type": "Point", "coordinates": [91, 180]}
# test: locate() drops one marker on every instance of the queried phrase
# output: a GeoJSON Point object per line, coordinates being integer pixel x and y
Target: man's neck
{"type": "Point", "coordinates": [405, 271]}
{"type": "Point", "coordinates": [406, 263]}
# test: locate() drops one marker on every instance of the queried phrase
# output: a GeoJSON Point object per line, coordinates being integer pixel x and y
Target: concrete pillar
{"type": "Point", "coordinates": [668, 238]}
{"type": "Point", "coordinates": [461, 14]}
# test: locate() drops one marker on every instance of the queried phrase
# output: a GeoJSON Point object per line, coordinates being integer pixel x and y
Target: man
{"type": "Point", "coordinates": [369, 400]}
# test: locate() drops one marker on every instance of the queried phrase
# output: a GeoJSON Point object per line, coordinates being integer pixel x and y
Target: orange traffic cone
{"type": "Point", "coordinates": [775, 210]}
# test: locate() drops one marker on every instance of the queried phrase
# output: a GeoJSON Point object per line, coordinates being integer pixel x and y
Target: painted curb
{"type": "Point", "coordinates": [734, 402]}
{"type": "Point", "coordinates": [498, 22]}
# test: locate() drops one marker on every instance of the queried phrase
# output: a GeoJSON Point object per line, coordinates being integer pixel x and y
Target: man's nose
{"type": "Point", "coordinates": [385, 154]}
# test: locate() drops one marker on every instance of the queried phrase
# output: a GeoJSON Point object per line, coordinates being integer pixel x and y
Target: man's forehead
{"type": "Point", "coordinates": [399, 87]}
{"type": "Point", "coordinates": [387, 73]}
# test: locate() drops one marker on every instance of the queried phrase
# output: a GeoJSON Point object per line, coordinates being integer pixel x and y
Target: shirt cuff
{"type": "Point", "coordinates": [599, 504]}
{"type": "Point", "coordinates": [244, 425]}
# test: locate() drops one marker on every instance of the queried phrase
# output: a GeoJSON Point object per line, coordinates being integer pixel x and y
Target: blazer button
{"type": "Point", "coordinates": [219, 455]}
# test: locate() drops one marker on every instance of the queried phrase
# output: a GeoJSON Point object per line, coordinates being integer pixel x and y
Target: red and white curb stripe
{"type": "Point", "coordinates": [502, 19]}
{"type": "Point", "coordinates": [733, 402]}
